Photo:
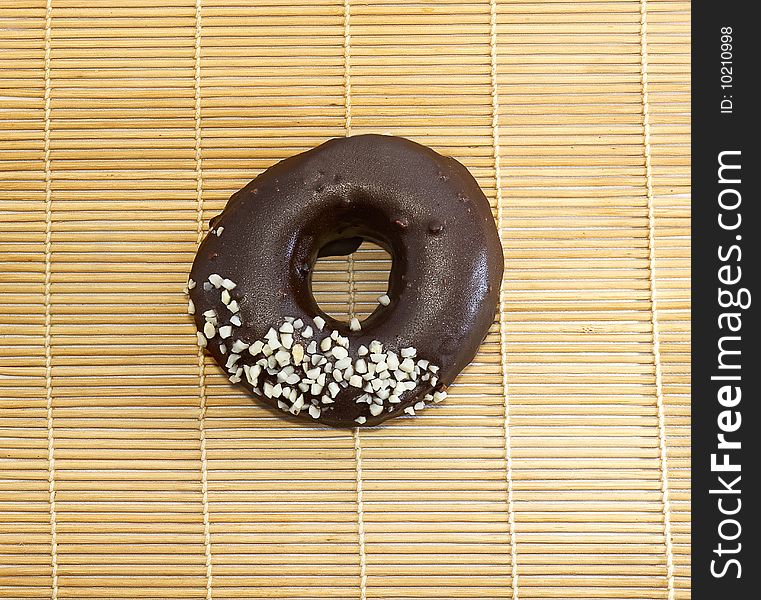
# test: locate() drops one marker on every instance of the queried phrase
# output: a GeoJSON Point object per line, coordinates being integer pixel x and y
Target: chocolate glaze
{"type": "Point", "coordinates": [425, 209]}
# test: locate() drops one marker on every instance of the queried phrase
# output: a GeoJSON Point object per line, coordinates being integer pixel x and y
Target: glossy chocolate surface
{"type": "Point", "coordinates": [425, 209]}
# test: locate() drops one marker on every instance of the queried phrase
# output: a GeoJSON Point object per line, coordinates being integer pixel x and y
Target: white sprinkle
{"type": "Point", "coordinates": [219, 231]}
{"type": "Point", "coordinates": [228, 284]}
{"type": "Point", "coordinates": [382, 394]}
{"type": "Point", "coordinates": [292, 395]}
{"type": "Point", "coordinates": [434, 381]}
{"type": "Point", "coordinates": [334, 334]}
{"type": "Point", "coordinates": [342, 341]}
{"type": "Point", "coordinates": [282, 405]}
{"type": "Point", "coordinates": [338, 375]}
{"type": "Point", "coordinates": [400, 375]}
{"type": "Point", "coordinates": [314, 411]}
{"type": "Point", "coordinates": [226, 297]}
{"type": "Point", "coordinates": [252, 374]}
{"type": "Point", "coordinates": [319, 322]}
{"type": "Point", "coordinates": [384, 300]}
{"type": "Point", "coordinates": [377, 358]}
{"type": "Point", "coordinates": [321, 378]}
{"type": "Point", "coordinates": [392, 361]}
{"type": "Point", "coordinates": [239, 346]}
{"type": "Point", "coordinates": [282, 357]}
{"type": "Point", "coordinates": [339, 352]}
{"type": "Point", "coordinates": [209, 331]}
{"type": "Point", "coordinates": [287, 340]}
{"type": "Point", "coordinates": [408, 352]}
{"type": "Point", "coordinates": [410, 411]}
{"type": "Point", "coordinates": [307, 332]}
{"type": "Point", "coordinates": [343, 363]}
{"type": "Point", "coordinates": [381, 368]}
{"type": "Point", "coordinates": [233, 307]}
{"type": "Point", "coordinates": [225, 331]}
{"type": "Point", "coordinates": [234, 378]}
{"type": "Point", "coordinates": [298, 324]}
{"type": "Point", "coordinates": [277, 390]}
{"type": "Point", "coordinates": [433, 369]}
{"type": "Point", "coordinates": [201, 338]}
{"type": "Point", "coordinates": [356, 381]}
{"type": "Point", "coordinates": [271, 334]}
{"type": "Point", "coordinates": [325, 344]}
{"type": "Point", "coordinates": [206, 286]}
{"type": "Point", "coordinates": [271, 365]}
{"type": "Point", "coordinates": [368, 388]}
{"type": "Point", "coordinates": [315, 389]}
{"type": "Point", "coordinates": [439, 396]}
{"type": "Point", "coordinates": [375, 409]}
{"type": "Point", "coordinates": [355, 325]}
{"type": "Point", "coordinates": [333, 389]}
{"type": "Point", "coordinates": [284, 373]}
{"type": "Point", "coordinates": [289, 319]}
{"type": "Point", "coordinates": [268, 389]}
{"type": "Point", "coordinates": [328, 366]}
{"type": "Point", "coordinates": [326, 400]}
{"type": "Point", "coordinates": [231, 360]}
{"type": "Point", "coordinates": [376, 347]}
{"type": "Point", "coordinates": [191, 284]}
{"type": "Point", "coordinates": [361, 420]}
{"type": "Point", "coordinates": [223, 349]}
{"type": "Point", "coordinates": [312, 347]}
{"type": "Point", "coordinates": [209, 314]}
{"type": "Point", "coordinates": [360, 366]}
{"type": "Point", "coordinates": [409, 385]}
{"type": "Point", "coordinates": [286, 327]}
{"type": "Point", "coordinates": [313, 373]}
{"type": "Point", "coordinates": [419, 405]}
{"type": "Point", "coordinates": [255, 348]}
{"type": "Point", "coordinates": [407, 365]}
{"type": "Point", "coordinates": [298, 405]}
{"type": "Point", "coordinates": [394, 399]}
{"type": "Point", "coordinates": [191, 307]}
{"type": "Point", "coordinates": [298, 353]}
{"type": "Point", "coordinates": [362, 351]}
{"type": "Point", "coordinates": [293, 379]}
{"type": "Point", "coordinates": [215, 280]}
{"type": "Point", "coordinates": [275, 343]}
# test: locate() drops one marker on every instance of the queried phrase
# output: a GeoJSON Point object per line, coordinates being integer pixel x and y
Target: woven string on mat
{"type": "Point", "coordinates": [130, 468]}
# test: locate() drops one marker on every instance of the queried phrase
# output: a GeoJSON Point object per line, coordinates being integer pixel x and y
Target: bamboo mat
{"type": "Point", "coordinates": [130, 468]}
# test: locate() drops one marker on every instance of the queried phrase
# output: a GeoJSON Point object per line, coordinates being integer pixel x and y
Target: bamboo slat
{"type": "Point", "coordinates": [130, 467]}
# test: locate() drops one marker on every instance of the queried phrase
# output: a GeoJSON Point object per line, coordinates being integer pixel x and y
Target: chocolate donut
{"type": "Point", "coordinates": [251, 294]}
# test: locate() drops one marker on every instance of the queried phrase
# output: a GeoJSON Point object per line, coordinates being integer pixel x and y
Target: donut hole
{"type": "Point", "coordinates": [346, 286]}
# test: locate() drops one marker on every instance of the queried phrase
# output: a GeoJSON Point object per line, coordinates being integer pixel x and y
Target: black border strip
{"type": "Point", "coordinates": [731, 128]}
